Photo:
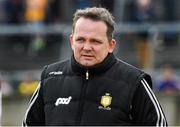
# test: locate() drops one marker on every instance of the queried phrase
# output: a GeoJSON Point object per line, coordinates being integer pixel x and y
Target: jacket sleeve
{"type": "Point", "coordinates": [146, 109]}
{"type": "Point", "coordinates": [35, 112]}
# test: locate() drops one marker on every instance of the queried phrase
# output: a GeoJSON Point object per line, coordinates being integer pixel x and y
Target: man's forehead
{"type": "Point", "coordinates": [89, 20]}
{"type": "Point", "coordinates": [88, 24]}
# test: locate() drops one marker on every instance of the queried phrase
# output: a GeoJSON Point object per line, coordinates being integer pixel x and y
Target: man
{"type": "Point", "coordinates": [94, 87]}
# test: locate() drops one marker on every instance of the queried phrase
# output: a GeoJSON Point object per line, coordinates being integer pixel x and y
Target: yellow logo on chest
{"type": "Point", "coordinates": [106, 102]}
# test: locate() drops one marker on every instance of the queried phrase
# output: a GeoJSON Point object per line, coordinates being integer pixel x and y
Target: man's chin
{"type": "Point", "coordinates": [87, 63]}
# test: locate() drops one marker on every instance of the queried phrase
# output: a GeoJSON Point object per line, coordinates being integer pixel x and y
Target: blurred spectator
{"type": "Point", "coordinates": [54, 11]}
{"type": "Point", "coordinates": [142, 12]}
{"type": "Point", "coordinates": [108, 4]}
{"type": "Point", "coordinates": [2, 11]}
{"type": "Point", "coordinates": [6, 87]}
{"type": "Point", "coordinates": [80, 4]}
{"type": "Point", "coordinates": [169, 10]}
{"type": "Point", "coordinates": [170, 13]}
{"type": "Point", "coordinates": [35, 15]}
{"type": "Point", "coordinates": [28, 85]}
{"type": "Point", "coordinates": [35, 12]}
{"type": "Point", "coordinates": [168, 81]}
{"type": "Point", "coordinates": [37, 45]}
{"type": "Point", "coordinates": [14, 11]}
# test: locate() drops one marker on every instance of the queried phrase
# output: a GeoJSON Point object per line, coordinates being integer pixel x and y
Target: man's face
{"type": "Point", "coordinates": [89, 42]}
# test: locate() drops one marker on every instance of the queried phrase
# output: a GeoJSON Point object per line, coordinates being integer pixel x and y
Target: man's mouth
{"type": "Point", "coordinates": [88, 56]}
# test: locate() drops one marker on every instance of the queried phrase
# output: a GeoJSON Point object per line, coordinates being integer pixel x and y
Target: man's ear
{"type": "Point", "coordinates": [71, 40]}
{"type": "Point", "coordinates": [112, 45]}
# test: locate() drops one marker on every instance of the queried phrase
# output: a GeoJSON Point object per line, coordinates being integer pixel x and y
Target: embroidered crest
{"type": "Point", "coordinates": [105, 102]}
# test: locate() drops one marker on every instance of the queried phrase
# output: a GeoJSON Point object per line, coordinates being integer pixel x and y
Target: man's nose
{"type": "Point", "coordinates": [87, 46]}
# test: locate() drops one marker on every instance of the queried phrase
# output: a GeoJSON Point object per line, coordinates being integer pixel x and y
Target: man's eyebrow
{"type": "Point", "coordinates": [91, 39]}
{"type": "Point", "coordinates": [95, 39]}
{"type": "Point", "coordinates": [79, 37]}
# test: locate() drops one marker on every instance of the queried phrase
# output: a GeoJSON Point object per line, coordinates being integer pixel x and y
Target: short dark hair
{"type": "Point", "coordinates": [96, 14]}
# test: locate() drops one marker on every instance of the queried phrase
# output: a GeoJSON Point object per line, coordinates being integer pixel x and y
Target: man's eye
{"type": "Point", "coordinates": [79, 40]}
{"type": "Point", "coordinates": [97, 42]}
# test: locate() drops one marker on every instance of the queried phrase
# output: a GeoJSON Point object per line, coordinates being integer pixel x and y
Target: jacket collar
{"type": "Point", "coordinates": [96, 69]}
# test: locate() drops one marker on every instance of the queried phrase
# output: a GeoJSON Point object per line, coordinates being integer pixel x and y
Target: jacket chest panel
{"type": "Point", "coordinates": [106, 99]}
{"type": "Point", "coordinates": [102, 97]}
{"type": "Point", "coordinates": [56, 87]}
{"type": "Point", "coordinates": [61, 98]}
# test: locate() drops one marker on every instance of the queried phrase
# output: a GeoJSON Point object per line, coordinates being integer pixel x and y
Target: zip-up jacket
{"type": "Point", "coordinates": [110, 93]}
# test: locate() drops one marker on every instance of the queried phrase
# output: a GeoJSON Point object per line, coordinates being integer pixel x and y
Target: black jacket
{"type": "Point", "coordinates": [110, 93]}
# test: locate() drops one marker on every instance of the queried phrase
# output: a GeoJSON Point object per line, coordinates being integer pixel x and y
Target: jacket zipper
{"type": "Point", "coordinates": [87, 75]}
{"type": "Point", "coordinates": [82, 98]}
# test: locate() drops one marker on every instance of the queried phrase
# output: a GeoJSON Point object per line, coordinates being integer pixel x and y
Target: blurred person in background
{"type": "Point", "coordinates": [93, 87]}
{"type": "Point", "coordinates": [80, 4]}
{"type": "Point", "coordinates": [2, 11]}
{"type": "Point", "coordinates": [35, 13]}
{"type": "Point", "coordinates": [7, 89]}
{"type": "Point", "coordinates": [13, 11]}
{"type": "Point", "coordinates": [108, 4]}
{"type": "Point", "coordinates": [28, 85]}
{"type": "Point", "coordinates": [168, 82]}
{"type": "Point", "coordinates": [54, 11]}
{"type": "Point", "coordinates": [170, 15]}
{"type": "Point", "coordinates": [142, 12]}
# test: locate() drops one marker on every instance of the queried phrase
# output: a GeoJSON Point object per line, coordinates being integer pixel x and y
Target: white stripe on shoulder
{"type": "Point", "coordinates": [157, 111]}
{"type": "Point", "coordinates": [162, 114]}
{"type": "Point", "coordinates": [32, 100]}
{"type": "Point", "coordinates": [161, 121]}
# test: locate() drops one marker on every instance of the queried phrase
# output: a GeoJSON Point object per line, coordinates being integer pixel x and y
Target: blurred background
{"type": "Point", "coordinates": [34, 33]}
